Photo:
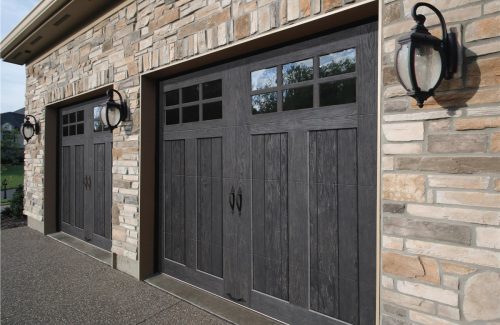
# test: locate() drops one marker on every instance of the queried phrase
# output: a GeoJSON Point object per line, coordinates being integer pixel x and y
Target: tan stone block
{"type": "Point", "coordinates": [462, 97]}
{"type": "Point", "coordinates": [497, 185]}
{"type": "Point", "coordinates": [394, 91]}
{"type": "Point", "coordinates": [443, 5]}
{"type": "Point", "coordinates": [467, 182]}
{"type": "Point", "coordinates": [390, 242]}
{"type": "Point", "coordinates": [404, 131]}
{"type": "Point", "coordinates": [438, 126]}
{"type": "Point", "coordinates": [404, 187]}
{"type": "Point", "coordinates": [491, 7]}
{"type": "Point", "coordinates": [448, 312]}
{"type": "Point", "coordinates": [492, 46]}
{"type": "Point", "coordinates": [406, 301]}
{"type": "Point", "coordinates": [242, 27]}
{"type": "Point", "coordinates": [331, 4]}
{"type": "Point", "coordinates": [481, 297]}
{"type": "Point", "coordinates": [455, 214]}
{"type": "Point", "coordinates": [388, 163]}
{"type": "Point", "coordinates": [428, 319]}
{"type": "Point", "coordinates": [264, 21]}
{"type": "Point", "coordinates": [483, 72]}
{"type": "Point", "coordinates": [479, 199]}
{"type": "Point", "coordinates": [305, 8]}
{"type": "Point", "coordinates": [483, 28]}
{"type": "Point", "coordinates": [450, 165]}
{"type": "Point", "coordinates": [495, 142]}
{"type": "Point", "coordinates": [402, 265]}
{"type": "Point", "coordinates": [456, 253]}
{"type": "Point", "coordinates": [292, 9]}
{"type": "Point", "coordinates": [392, 12]}
{"type": "Point", "coordinates": [457, 143]}
{"type": "Point", "coordinates": [118, 233]}
{"type": "Point", "coordinates": [401, 148]}
{"type": "Point", "coordinates": [488, 237]}
{"type": "Point", "coordinates": [477, 123]}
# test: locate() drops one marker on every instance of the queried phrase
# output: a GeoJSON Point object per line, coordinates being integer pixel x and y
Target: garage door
{"type": "Point", "coordinates": [268, 179]}
{"type": "Point", "coordinates": [85, 174]}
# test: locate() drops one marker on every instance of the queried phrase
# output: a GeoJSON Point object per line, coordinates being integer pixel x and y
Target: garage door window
{"type": "Point", "coordinates": [293, 85]}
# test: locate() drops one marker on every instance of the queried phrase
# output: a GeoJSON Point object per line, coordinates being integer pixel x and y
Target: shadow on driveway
{"type": "Point", "coordinates": [45, 282]}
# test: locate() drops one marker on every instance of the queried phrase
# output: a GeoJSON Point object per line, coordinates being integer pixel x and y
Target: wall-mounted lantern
{"type": "Point", "coordinates": [112, 113]}
{"type": "Point", "coordinates": [423, 60]}
{"type": "Point", "coordinates": [30, 127]}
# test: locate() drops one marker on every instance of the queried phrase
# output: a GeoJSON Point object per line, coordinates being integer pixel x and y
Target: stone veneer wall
{"type": "Point", "coordinates": [441, 178]}
{"type": "Point", "coordinates": [144, 35]}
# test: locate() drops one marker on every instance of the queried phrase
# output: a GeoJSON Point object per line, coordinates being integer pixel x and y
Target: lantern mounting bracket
{"type": "Point", "coordinates": [449, 39]}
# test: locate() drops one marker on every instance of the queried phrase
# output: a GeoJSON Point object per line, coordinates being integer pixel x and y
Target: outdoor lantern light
{"type": "Point", "coordinates": [423, 60]}
{"type": "Point", "coordinates": [29, 129]}
{"type": "Point", "coordinates": [112, 113]}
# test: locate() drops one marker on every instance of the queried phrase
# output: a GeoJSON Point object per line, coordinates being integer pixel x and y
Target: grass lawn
{"type": "Point", "coordinates": [14, 175]}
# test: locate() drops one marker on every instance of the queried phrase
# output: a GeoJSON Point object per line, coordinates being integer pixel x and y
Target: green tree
{"type": "Point", "coordinates": [12, 153]}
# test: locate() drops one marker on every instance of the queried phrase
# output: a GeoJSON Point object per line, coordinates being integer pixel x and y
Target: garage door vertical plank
{"type": "Point", "coordinates": [313, 221]}
{"type": "Point", "coordinates": [98, 185]}
{"type": "Point", "coordinates": [66, 182]}
{"type": "Point", "coordinates": [216, 177]}
{"type": "Point", "coordinates": [283, 227]}
{"type": "Point", "coordinates": [327, 223]}
{"type": "Point", "coordinates": [348, 226]}
{"type": "Point", "coordinates": [258, 214]}
{"type": "Point", "coordinates": [167, 211]}
{"type": "Point", "coordinates": [108, 176]}
{"type": "Point", "coordinates": [178, 201]}
{"type": "Point", "coordinates": [191, 200]}
{"type": "Point", "coordinates": [204, 228]}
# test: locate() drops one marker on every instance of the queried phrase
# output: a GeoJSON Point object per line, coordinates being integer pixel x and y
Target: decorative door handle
{"type": "Point", "coordinates": [239, 201]}
{"type": "Point", "coordinates": [86, 182]}
{"type": "Point", "coordinates": [90, 182]}
{"type": "Point", "coordinates": [231, 199]}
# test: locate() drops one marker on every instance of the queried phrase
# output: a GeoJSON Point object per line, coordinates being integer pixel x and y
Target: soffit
{"type": "Point", "coordinates": [47, 24]}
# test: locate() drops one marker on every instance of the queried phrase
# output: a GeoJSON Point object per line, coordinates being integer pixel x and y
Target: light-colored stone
{"type": "Point", "coordinates": [448, 312]}
{"type": "Point", "coordinates": [481, 297]}
{"type": "Point", "coordinates": [404, 187]}
{"type": "Point", "coordinates": [444, 296]}
{"type": "Point", "coordinates": [456, 253]}
{"type": "Point", "coordinates": [488, 237]}
{"type": "Point", "coordinates": [457, 143]}
{"type": "Point", "coordinates": [454, 268]}
{"type": "Point", "coordinates": [401, 148]}
{"type": "Point", "coordinates": [420, 116]}
{"type": "Point", "coordinates": [491, 7]}
{"type": "Point", "coordinates": [407, 301]}
{"type": "Point", "coordinates": [478, 199]}
{"type": "Point", "coordinates": [404, 131]}
{"type": "Point", "coordinates": [450, 282]}
{"type": "Point", "coordinates": [390, 242]}
{"type": "Point", "coordinates": [495, 142]}
{"type": "Point", "coordinates": [496, 185]}
{"type": "Point", "coordinates": [492, 46]}
{"type": "Point", "coordinates": [466, 182]}
{"type": "Point", "coordinates": [406, 266]}
{"type": "Point", "coordinates": [428, 319]}
{"type": "Point", "coordinates": [387, 163]}
{"type": "Point", "coordinates": [484, 111]}
{"type": "Point", "coordinates": [387, 282]}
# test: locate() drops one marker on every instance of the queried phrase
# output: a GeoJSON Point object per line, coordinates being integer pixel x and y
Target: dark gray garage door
{"type": "Point", "coordinates": [85, 174]}
{"type": "Point", "coordinates": [268, 179]}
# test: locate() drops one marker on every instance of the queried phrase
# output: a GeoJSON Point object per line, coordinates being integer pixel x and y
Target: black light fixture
{"type": "Point", "coordinates": [112, 113]}
{"type": "Point", "coordinates": [423, 60]}
{"type": "Point", "coordinates": [29, 128]}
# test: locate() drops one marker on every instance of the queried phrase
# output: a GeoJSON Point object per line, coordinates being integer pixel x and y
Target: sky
{"type": "Point", "coordinates": [12, 82]}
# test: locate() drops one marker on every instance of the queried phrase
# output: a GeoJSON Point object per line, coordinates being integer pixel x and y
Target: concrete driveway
{"type": "Point", "coordinates": [45, 282]}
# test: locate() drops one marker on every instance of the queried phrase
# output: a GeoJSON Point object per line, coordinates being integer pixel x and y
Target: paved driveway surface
{"type": "Point", "coordinates": [46, 282]}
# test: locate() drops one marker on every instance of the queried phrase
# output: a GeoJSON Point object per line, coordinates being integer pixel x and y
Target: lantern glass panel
{"type": "Point", "coordinates": [114, 115]}
{"type": "Point", "coordinates": [403, 59]}
{"type": "Point", "coordinates": [428, 66]}
{"type": "Point", "coordinates": [28, 131]}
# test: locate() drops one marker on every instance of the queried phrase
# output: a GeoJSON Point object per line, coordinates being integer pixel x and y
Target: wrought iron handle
{"type": "Point", "coordinates": [239, 201]}
{"type": "Point", "coordinates": [90, 182]}
{"type": "Point", "coordinates": [86, 182]}
{"type": "Point", "coordinates": [231, 199]}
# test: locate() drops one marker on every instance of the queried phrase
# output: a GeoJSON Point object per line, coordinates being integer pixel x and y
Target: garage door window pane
{"type": "Point", "coordinates": [65, 119]}
{"type": "Point", "coordinates": [190, 94]}
{"type": "Point", "coordinates": [72, 117]}
{"type": "Point", "coordinates": [298, 98]}
{"type": "Point", "coordinates": [212, 111]}
{"type": "Point", "coordinates": [79, 116]}
{"type": "Point", "coordinates": [265, 103]}
{"type": "Point", "coordinates": [298, 71]}
{"type": "Point", "coordinates": [337, 63]}
{"type": "Point", "coordinates": [172, 97]}
{"type": "Point", "coordinates": [212, 89]}
{"type": "Point", "coordinates": [190, 114]}
{"type": "Point", "coordinates": [265, 78]}
{"type": "Point", "coordinates": [65, 131]}
{"type": "Point", "coordinates": [337, 92]}
{"type": "Point", "coordinates": [172, 116]}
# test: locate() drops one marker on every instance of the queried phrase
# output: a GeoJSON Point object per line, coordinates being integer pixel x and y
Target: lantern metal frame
{"type": "Point", "coordinates": [420, 35]}
{"type": "Point", "coordinates": [111, 103]}
{"type": "Point", "coordinates": [35, 125]}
